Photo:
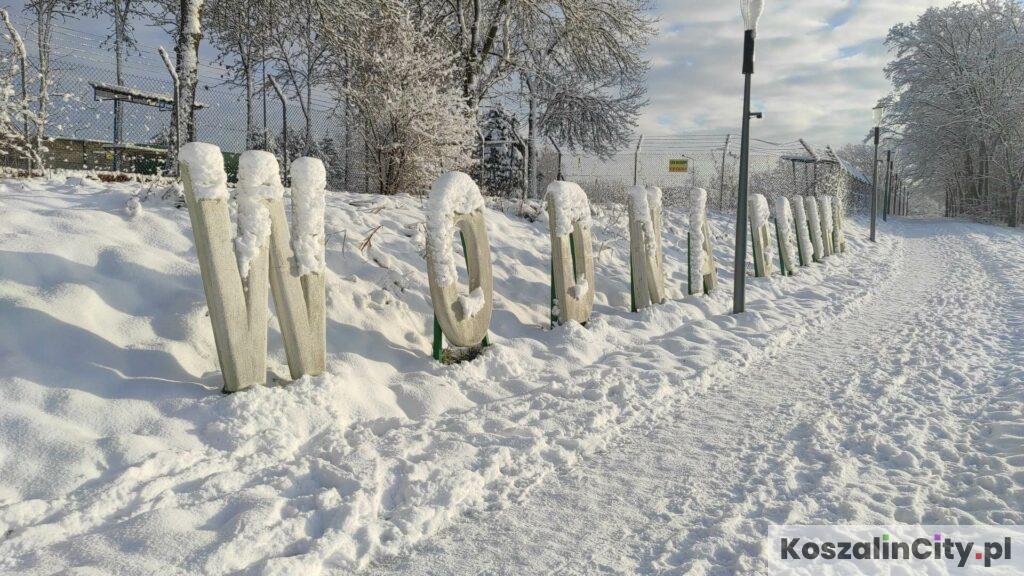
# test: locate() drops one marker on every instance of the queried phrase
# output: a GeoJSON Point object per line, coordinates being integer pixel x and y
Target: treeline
{"type": "Point", "coordinates": [414, 79]}
{"type": "Point", "coordinates": [958, 108]}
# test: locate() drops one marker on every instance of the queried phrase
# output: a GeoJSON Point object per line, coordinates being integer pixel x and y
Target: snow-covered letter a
{"type": "Point", "coordinates": [572, 256]}
{"type": "Point", "coordinates": [236, 286]}
{"type": "Point", "coordinates": [647, 274]}
{"type": "Point", "coordinates": [700, 263]}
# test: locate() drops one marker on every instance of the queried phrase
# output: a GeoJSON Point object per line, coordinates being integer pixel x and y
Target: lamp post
{"type": "Point", "coordinates": [751, 10]}
{"type": "Point", "coordinates": [888, 185]}
{"type": "Point", "coordinates": [879, 113]}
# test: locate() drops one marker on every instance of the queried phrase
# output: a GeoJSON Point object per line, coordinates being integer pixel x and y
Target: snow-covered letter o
{"type": "Point", "coordinates": [455, 204]}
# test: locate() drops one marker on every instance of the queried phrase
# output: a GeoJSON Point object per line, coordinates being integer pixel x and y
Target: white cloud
{"type": "Point", "coordinates": [819, 66]}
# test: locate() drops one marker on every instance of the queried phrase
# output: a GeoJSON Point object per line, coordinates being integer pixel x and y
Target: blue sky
{"type": "Point", "coordinates": [819, 65]}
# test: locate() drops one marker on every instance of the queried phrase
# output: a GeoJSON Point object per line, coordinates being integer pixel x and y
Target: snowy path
{"type": "Point", "coordinates": [914, 418]}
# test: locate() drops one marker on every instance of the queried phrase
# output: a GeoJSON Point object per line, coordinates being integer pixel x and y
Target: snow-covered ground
{"type": "Point", "coordinates": [882, 386]}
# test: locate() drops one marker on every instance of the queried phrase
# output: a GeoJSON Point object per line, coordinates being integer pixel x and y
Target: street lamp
{"type": "Point", "coordinates": [879, 114]}
{"type": "Point", "coordinates": [751, 10]}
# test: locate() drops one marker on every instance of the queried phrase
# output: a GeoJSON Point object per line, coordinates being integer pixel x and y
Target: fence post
{"type": "Point", "coordinates": [284, 122]}
{"type": "Point", "coordinates": [173, 168]}
{"type": "Point", "coordinates": [721, 186]}
{"type": "Point", "coordinates": [636, 161]}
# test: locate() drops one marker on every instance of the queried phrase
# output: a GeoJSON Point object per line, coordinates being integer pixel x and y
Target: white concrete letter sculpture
{"type": "Point", "coordinates": [825, 212]}
{"type": "Point", "coordinates": [296, 259]}
{"type": "Point", "coordinates": [838, 217]}
{"type": "Point", "coordinates": [455, 204]}
{"type": "Point", "coordinates": [572, 258]}
{"type": "Point", "coordinates": [814, 226]}
{"type": "Point", "coordinates": [236, 287]}
{"type": "Point", "coordinates": [803, 233]}
{"type": "Point", "coordinates": [784, 233]}
{"type": "Point", "coordinates": [760, 236]}
{"type": "Point", "coordinates": [647, 273]}
{"type": "Point", "coordinates": [700, 259]}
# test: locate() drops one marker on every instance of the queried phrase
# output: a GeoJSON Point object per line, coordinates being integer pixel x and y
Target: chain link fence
{"type": "Point", "coordinates": [81, 132]}
{"type": "Point", "coordinates": [677, 164]}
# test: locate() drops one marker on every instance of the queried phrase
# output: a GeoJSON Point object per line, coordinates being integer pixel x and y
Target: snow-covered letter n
{"type": "Point", "coordinates": [838, 218]}
{"type": "Point", "coordinates": [647, 275]}
{"type": "Point", "coordinates": [572, 256]}
{"type": "Point", "coordinates": [825, 212]}
{"type": "Point", "coordinates": [814, 227]}
{"type": "Point", "coordinates": [805, 248]}
{"type": "Point", "coordinates": [784, 233]}
{"type": "Point", "coordinates": [235, 283]}
{"type": "Point", "coordinates": [463, 318]}
{"type": "Point", "coordinates": [760, 237]}
{"type": "Point", "coordinates": [700, 264]}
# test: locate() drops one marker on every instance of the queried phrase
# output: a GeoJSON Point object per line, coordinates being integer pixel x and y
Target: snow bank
{"type": "Point", "coordinates": [259, 180]}
{"type": "Point", "coordinates": [698, 217]}
{"type": "Point", "coordinates": [570, 206]}
{"type": "Point", "coordinates": [802, 234]}
{"type": "Point", "coordinates": [206, 169]}
{"type": "Point", "coordinates": [784, 219]}
{"type": "Point", "coordinates": [116, 387]}
{"type": "Point", "coordinates": [452, 194]}
{"type": "Point", "coordinates": [309, 182]}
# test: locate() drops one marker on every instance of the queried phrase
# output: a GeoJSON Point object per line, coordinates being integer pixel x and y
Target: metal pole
{"type": "Point", "coordinates": [874, 189]}
{"type": "Point", "coordinates": [636, 161]}
{"type": "Point", "coordinates": [740, 260]}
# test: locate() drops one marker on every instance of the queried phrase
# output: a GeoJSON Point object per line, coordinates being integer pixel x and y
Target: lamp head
{"type": "Point", "coordinates": [751, 10]}
{"type": "Point", "coordinates": [879, 114]}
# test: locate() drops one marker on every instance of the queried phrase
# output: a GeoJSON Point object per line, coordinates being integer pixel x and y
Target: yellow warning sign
{"type": "Point", "coordinates": [679, 165]}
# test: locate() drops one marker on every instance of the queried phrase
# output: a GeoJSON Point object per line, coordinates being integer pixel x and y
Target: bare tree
{"type": "Point", "coordinates": [958, 104]}
{"type": "Point", "coordinates": [45, 12]}
{"type": "Point", "coordinates": [239, 31]}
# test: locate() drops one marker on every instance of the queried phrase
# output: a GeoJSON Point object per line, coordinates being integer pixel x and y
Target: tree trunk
{"type": "Point", "coordinates": [190, 33]}
{"type": "Point", "coordinates": [532, 147]}
{"type": "Point", "coordinates": [44, 21]}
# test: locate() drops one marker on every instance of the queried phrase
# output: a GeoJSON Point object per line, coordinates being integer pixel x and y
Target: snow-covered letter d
{"type": "Point", "coordinates": [236, 287]}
